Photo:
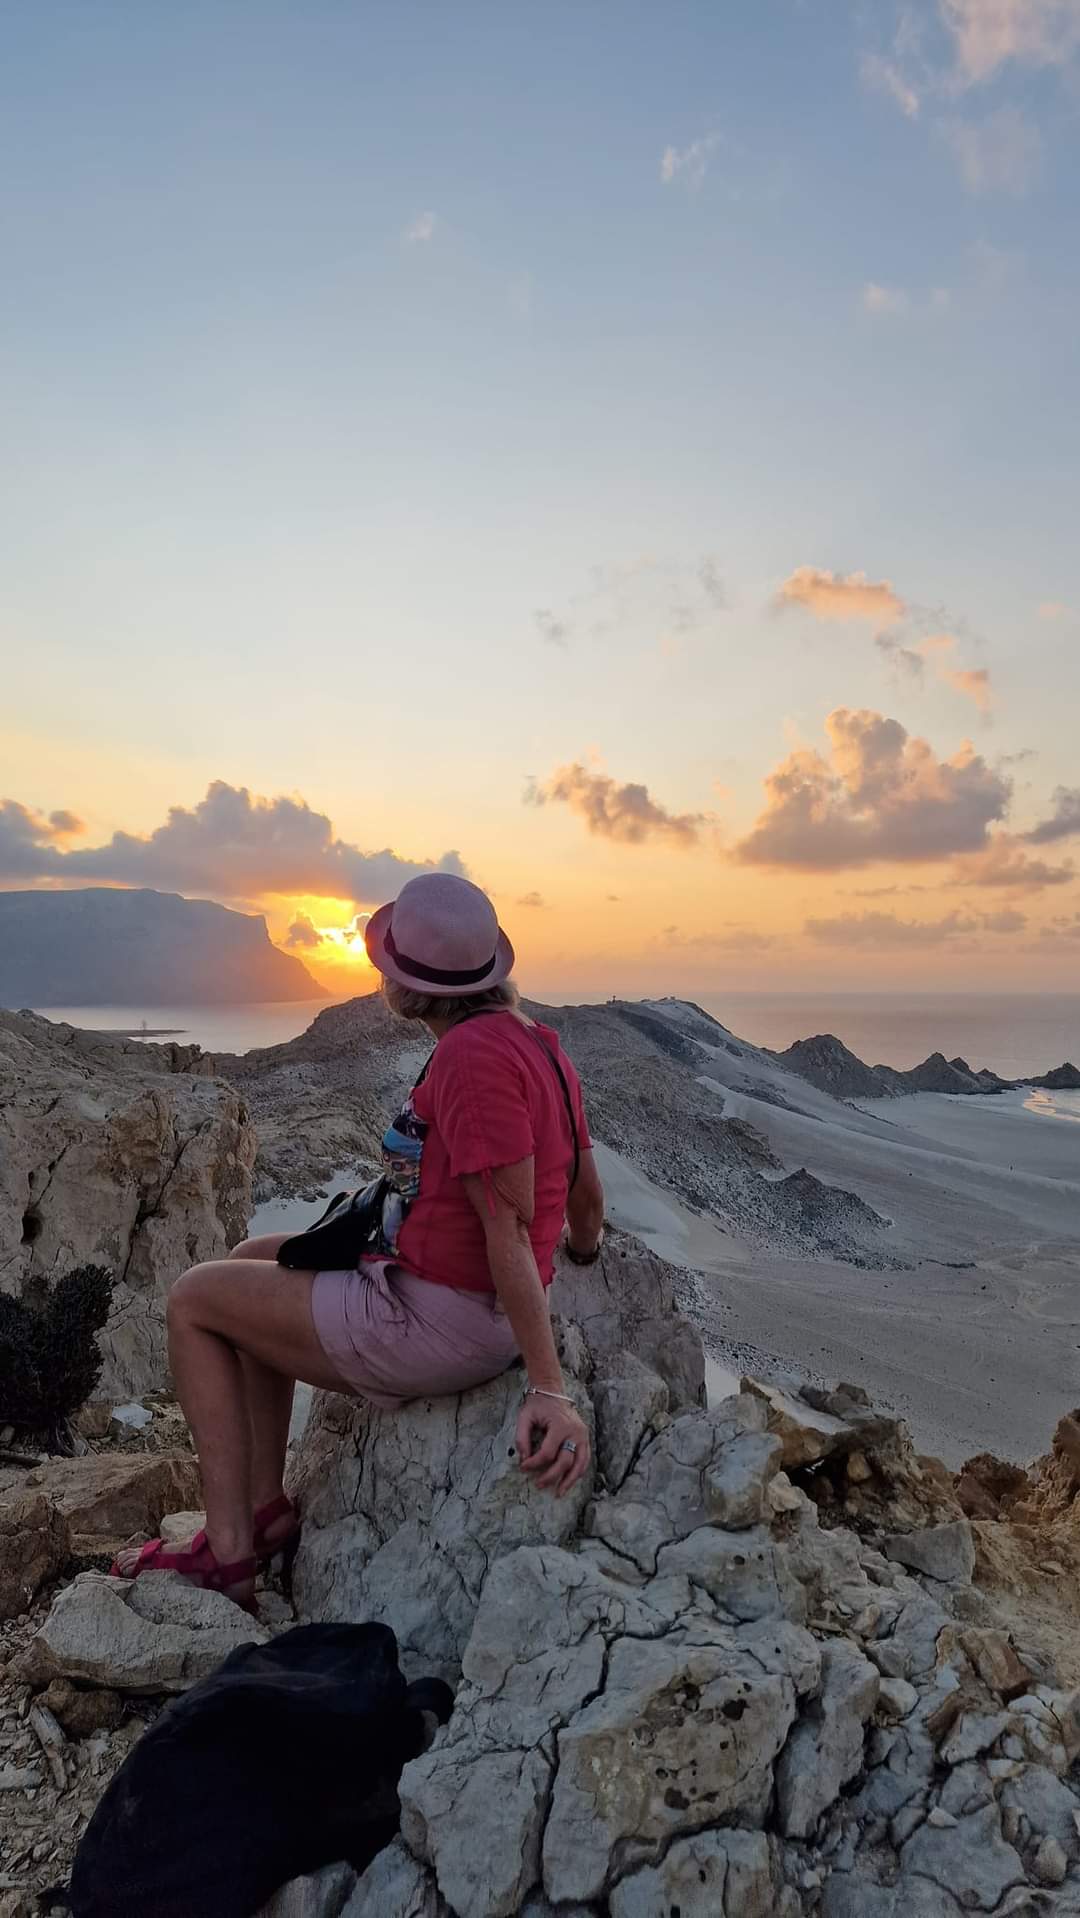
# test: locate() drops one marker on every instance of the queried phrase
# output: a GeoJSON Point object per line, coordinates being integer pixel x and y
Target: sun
{"type": "Point", "coordinates": [343, 945]}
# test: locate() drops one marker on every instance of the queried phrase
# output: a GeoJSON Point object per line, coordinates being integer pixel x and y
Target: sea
{"type": "Point", "coordinates": [1015, 1034]}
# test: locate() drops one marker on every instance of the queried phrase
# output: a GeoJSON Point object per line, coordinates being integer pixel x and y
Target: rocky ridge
{"type": "Point", "coordinates": [824, 1061]}
{"type": "Point", "coordinates": [121, 1155]}
{"type": "Point", "coordinates": [321, 1101]}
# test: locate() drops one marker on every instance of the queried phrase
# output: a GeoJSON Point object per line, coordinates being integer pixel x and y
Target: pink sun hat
{"type": "Point", "coordinates": [439, 936]}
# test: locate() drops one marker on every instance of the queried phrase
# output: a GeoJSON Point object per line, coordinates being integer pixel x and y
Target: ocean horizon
{"type": "Point", "coordinates": [1015, 1034]}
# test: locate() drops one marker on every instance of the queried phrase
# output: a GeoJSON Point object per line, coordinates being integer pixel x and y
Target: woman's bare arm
{"type": "Point", "coordinates": [585, 1207]}
{"type": "Point", "coordinates": [503, 1201]}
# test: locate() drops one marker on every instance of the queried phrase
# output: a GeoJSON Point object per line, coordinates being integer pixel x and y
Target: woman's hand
{"type": "Point", "coordinates": [553, 1444]}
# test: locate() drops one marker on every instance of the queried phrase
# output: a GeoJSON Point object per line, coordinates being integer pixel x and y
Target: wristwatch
{"type": "Point", "coordinates": [583, 1258]}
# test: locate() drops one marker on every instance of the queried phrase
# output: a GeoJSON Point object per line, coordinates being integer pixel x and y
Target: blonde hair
{"type": "Point", "coordinates": [410, 1004]}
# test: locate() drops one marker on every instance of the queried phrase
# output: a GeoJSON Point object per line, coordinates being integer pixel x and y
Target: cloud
{"type": "Point", "coordinates": [884, 299]}
{"type": "Point", "coordinates": [1004, 863]}
{"type": "Point", "coordinates": [303, 932]}
{"type": "Point", "coordinates": [553, 632]}
{"type": "Point", "coordinates": [884, 929]}
{"type": "Point", "coordinates": [880, 795]}
{"type": "Point", "coordinates": [1054, 609]}
{"type": "Point", "coordinates": [689, 166]}
{"type": "Point", "coordinates": [420, 230]}
{"type": "Point", "coordinates": [230, 846]}
{"type": "Point", "coordinates": [708, 575]}
{"type": "Point", "coordinates": [531, 899]}
{"type": "Point", "coordinates": [732, 938]}
{"type": "Point", "coordinates": [972, 683]}
{"type": "Point", "coordinates": [999, 154]}
{"type": "Point", "coordinates": [840, 596]}
{"type": "Point", "coordinates": [649, 596]}
{"type": "Point", "coordinates": [625, 813]}
{"type": "Point", "coordinates": [1062, 823]}
{"type": "Point", "coordinates": [885, 76]}
{"type": "Point", "coordinates": [31, 839]}
{"type": "Point", "coordinates": [986, 33]}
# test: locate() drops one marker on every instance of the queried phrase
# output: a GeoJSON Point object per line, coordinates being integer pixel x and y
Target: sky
{"type": "Point", "coordinates": [624, 453]}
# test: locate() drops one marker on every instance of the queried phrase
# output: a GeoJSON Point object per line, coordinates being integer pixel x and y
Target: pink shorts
{"type": "Point", "coordinates": [393, 1336]}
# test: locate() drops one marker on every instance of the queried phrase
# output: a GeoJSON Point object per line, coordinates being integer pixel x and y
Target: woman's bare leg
{"type": "Point", "coordinates": [270, 1405]}
{"type": "Point", "coordinates": [218, 1313]}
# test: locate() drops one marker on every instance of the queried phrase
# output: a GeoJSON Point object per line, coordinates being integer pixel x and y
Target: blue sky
{"type": "Point", "coordinates": [377, 381]}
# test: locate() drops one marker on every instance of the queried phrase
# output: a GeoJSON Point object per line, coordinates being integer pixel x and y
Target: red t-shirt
{"type": "Point", "coordinates": [490, 1098]}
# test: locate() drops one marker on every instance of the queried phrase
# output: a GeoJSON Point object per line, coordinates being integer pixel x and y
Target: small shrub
{"type": "Point", "coordinates": [49, 1356]}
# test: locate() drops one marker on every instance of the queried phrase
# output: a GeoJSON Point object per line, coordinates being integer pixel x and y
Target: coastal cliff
{"type": "Point", "coordinates": [120, 946]}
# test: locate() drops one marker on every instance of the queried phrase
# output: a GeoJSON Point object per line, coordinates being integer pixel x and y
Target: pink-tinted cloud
{"type": "Point", "coordinates": [626, 813]}
{"type": "Point", "coordinates": [1004, 863]}
{"type": "Point", "coordinates": [840, 596]}
{"type": "Point", "coordinates": [973, 682]}
{"type": "Point", "coordinates": [880, 795]}
{"type": "Point", "coordinates": [987, 33]}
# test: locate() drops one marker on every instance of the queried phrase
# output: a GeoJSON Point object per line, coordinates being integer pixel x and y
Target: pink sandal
{"type": "Point", "coordinates": [285, 1547]}
{"type": "Point", "coordinates": [197, 1564]}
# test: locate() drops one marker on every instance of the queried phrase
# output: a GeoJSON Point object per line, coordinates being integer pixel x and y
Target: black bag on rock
{"type": "Point", "coordinates": [337, 1242]}
{"type": "Point", "coordinates": [284, 1760]}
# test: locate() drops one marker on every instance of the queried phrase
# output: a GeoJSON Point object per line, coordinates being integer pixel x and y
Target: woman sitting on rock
{"type": "Point", "coordinates": [480, 1167]}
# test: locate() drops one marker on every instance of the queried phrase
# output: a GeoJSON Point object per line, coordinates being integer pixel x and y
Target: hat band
{"type": "Point", "coordinates": [436, 975]}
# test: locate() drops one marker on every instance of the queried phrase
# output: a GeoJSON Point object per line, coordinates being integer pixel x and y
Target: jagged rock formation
{"type": "Point", "coordinates": [117, 1155]}
{"type": "Point", "coordinates": [1064, 1078]}
{"type": "Point", "coordinates": [115, 946]}
{"type": "Point", "coordinates": [693, 1686]}
{"type": "Point", "coordinates": [827, 1063]}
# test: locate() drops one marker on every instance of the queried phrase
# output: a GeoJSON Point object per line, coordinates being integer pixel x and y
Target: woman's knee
{"type": "Point", "coordinates": [188, 1293]}
{"type": "Point", "coordinates": [264, 1247]}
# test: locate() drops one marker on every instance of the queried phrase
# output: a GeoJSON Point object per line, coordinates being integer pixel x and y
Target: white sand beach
{"type": "Point", "coordinates": [978, 1343]}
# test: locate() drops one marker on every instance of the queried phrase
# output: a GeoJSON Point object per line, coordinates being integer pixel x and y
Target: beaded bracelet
{"type": "Point", "coordinates": [538, 1392]}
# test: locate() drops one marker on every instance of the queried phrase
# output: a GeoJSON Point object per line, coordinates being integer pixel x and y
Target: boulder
{"type": "Point", "coordinates": [942, 1552]}
{"type": "Point", "coordinates": [706, 1466]}
{"type": "Point", "coordinates": [152, 1634]}
{"type": "Point", "coordinates": [725, 1874]}
{"type": "Point", "coordinates": [82, 1711]}
{"type": "Point", "coordinates": [35, 1544]}
{"type": "Point", "coordinates": [117, 1154]}
{"type": "Point", "coordinates": [404, 1511]}
{"type": "Point", "coordinates": [968, 1858]}
{"type": "Point", "coordinates": [826, 1750]}
{"type": "Point", "coordinates": [108, 1498]}
{"type": "Point", "coordinates": [809, 1433]}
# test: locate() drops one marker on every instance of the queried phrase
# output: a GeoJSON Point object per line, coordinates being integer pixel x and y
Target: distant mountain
{"type": "Point", "coordinates": [827, 1063]}
{"type": "Point", "coordinates": [107, 946]}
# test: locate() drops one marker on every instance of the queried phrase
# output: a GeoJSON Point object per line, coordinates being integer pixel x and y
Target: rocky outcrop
{"type": "Point", "coordinates": [826, 1062]}
{"type": "Point", "coordinates": [404, 1515]}
{"type": "Point", "coordinates": [694, 1686]}
{"type": "Point", "coordinates": [831, 1066]}
{"type": "Point", "coordinates": [115, 1155]}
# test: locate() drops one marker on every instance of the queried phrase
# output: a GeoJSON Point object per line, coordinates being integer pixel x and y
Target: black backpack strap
{"type": "Point", "coordinates": [545, 1048]}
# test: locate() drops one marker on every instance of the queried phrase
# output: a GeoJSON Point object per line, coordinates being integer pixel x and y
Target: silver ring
{"type": "Point", "coordinates": [568, 1445]}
